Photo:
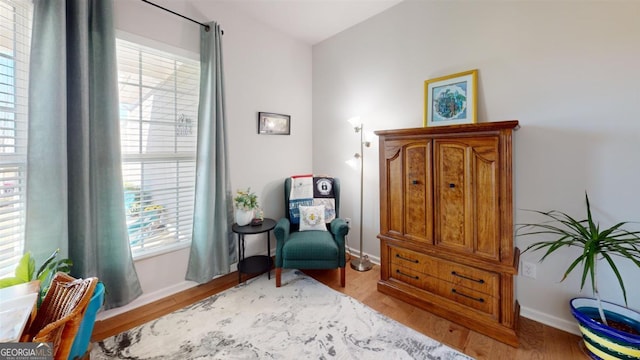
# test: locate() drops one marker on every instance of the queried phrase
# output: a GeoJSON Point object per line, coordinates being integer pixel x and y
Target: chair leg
{"type": "Point", "coordinates": [278, 277]}
{"type": "Point", "coordinates": [342, 276]}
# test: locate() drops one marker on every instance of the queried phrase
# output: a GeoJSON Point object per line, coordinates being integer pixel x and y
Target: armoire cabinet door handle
{"type": "Point", "coordinates": [479, 281]}
{"type": "Point", "coordinates": [452, 185]}
{"type": "Point", "coordinates": [407, 275]}
{"type": "Point", "coordinates": [467, 296]}
{"type": "Point", "coordinates": [414, 182]}
{"type": "Point", "coordinates": [407, 259]}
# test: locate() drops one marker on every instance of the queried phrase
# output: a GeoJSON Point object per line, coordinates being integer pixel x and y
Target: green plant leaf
{"type": "Point", "coordinates": [613, 266]}
{"type": "Point", "coordinates": [571, 267]}
{"type": "Point", "coordinates": [54, 266]}
{"type": "Point", "coordinates": [46, 263]}
{"type": "Point", "coordinates": [589, 269]}
{"type": "Point", "coordinates": [592, 226]}
{"type": "Point", "coordinates": [44, 274]}
{"type": "Point", "coordinates": [25, 268]}
{"type": "Point", "coordinates": [63, 265]}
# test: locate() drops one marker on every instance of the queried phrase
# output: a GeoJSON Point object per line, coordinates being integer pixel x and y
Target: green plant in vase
{"type": "Point", "coordinates": [245, 203]}
{"type": "Point", "coordinates": [597, 244]}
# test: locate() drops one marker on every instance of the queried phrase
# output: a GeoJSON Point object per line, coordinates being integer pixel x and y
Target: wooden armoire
{"type": "Point", "coordinates": [446, 224]}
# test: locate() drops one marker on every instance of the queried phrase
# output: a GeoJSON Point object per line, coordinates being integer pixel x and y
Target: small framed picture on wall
{"type": "Point", "coordinates": [274, 124]}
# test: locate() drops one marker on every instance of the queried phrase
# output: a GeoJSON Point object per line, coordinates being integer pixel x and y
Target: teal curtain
{"type": "Point", "coordinates": [212, 245]}
{"type": "Point", "coordinates": [75, 198]}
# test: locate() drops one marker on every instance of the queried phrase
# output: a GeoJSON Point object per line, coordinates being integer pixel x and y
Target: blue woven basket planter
{"type": "Point", "coordinates": [601, 341]}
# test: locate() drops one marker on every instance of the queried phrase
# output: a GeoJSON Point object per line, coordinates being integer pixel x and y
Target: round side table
{"type": "Point", "coordinates": [256, 264]}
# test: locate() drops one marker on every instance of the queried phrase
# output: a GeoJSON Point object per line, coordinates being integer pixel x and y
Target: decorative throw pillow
{"type": "Point", "coordinates": [312, 218]}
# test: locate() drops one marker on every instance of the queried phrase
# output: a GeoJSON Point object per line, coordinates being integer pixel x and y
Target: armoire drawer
{"type": "Point", "coordinates": [471, 298]}
{"type": "Point", "coordinates": [458, 274]}
{"type": "Point", "coordinates": [470, 277]}
{"type": "Point", "coordinates": [413, 260]}
{"type": "Point", "coordinates": [414, 277]}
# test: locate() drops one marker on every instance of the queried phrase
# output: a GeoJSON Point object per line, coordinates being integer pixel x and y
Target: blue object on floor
{"type": "Point", "coordinates": [81, 342]}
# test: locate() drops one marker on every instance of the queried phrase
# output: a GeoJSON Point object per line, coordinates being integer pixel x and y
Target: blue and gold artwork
{"type": "Point", "coordinates": [450, 102]}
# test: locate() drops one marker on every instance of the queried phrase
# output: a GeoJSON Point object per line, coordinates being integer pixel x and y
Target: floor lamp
{"type": "Point", "coordinates": [362, 263]}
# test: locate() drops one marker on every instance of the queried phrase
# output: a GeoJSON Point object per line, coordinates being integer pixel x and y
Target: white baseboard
{"type": "Point", "coordinates": [354, 252]}
{"type": "Point", "coordinates": [145, 299]}
{"type": "Point", "coordinates": [553, 321]}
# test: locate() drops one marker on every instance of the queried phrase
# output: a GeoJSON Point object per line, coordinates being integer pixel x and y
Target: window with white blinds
{"type": "Point", "coordinates": [15, 35]}
{"type": "Point", "coordinates": [158, 127]}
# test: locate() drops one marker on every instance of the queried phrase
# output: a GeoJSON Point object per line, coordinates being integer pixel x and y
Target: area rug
{"type": "Point", "coordinates": [303, 319]}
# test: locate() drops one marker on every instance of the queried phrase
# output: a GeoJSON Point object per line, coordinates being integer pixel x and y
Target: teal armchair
{"type": "Point", "coordinates": [310, 249]}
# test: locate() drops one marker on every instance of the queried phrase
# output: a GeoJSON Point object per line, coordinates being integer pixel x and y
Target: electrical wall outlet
{"type": "Point", "coordinates": [348, 221]}
{"type": "Point", "coordinates": [529, 269]}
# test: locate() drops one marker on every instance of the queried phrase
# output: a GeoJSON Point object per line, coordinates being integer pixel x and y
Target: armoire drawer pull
{"type": "Point", "coordinates": [479, 281]}
{"type": "Point", "coordinates": [467, 296]}
{"type": "Point", "coordinates": [452, 185]}
{"type": "Point", "coordinates": [407, 259]}
{"type": "Point", "coordinates": [414, 182]}
{"type": "Point", "coordinates": [408, 275]}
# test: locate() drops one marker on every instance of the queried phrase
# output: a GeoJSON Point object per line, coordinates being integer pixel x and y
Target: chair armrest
{"type": "Point", "coordinates": [281, 231]}
{"type": "Point", "coordinates": [339, 229]}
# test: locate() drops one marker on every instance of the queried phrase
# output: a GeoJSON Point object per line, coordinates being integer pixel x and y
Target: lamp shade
{"type": "Point", "coordinates": [355, 121]}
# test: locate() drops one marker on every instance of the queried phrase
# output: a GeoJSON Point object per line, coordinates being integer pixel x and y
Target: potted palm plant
{"type": "Point", "coordinates": [610, 331]}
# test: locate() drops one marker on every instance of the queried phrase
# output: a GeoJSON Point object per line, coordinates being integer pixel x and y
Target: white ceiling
{"type": "Point", "coordinates": [311, 21]}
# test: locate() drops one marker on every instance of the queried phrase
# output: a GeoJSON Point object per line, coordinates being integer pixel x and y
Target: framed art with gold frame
{"type": "Point", "coordinates": [451, 99]}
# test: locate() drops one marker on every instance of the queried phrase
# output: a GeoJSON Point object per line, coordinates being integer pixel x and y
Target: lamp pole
{"type": "Point", "coordinates": [362, 263]}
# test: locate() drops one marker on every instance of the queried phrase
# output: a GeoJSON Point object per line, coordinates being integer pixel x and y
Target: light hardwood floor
{"type": "Point", "coordinates": [537, 341]}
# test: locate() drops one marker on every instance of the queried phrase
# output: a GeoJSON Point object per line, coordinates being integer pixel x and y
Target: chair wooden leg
{"type": "Point", "coordinates": [278, 277]}
{"type": "Point", "coordinates": [342, 276]}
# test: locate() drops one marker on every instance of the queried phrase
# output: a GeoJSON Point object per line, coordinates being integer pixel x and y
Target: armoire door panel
{"type": "Point", "coordinates": [487, 223]}
{"type": "Point", "coordinates": [451, 193]}
{"type": "Point", "coordinates": [466, 184]}
{"type": "Point", "coordinates": [395, 193]}
{"type": "Point", "coordinates": [417, 201]}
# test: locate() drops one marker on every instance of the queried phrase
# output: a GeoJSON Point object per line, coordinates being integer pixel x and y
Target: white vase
{"type": "Point", "coordinates": [243, 217]}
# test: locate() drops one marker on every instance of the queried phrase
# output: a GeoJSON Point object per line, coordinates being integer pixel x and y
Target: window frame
{"type": "Point", "coordinates": [15, 239]}
{"type": "Point", "coordinates": [138, 158]}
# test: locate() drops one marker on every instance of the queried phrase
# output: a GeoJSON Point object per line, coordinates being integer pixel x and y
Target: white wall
{"type": "Point", "coordinates": [568, 71]}
{"type": "Point", "coordinates": [264, 71]}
